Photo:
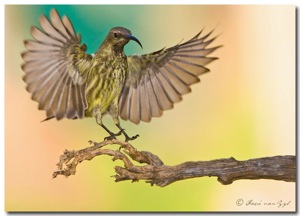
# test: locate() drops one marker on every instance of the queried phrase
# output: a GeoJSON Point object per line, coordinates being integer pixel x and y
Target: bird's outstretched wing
{"type": "Point", "coordinates": [157, 80]}
{"type": "Point", "coordinates": [55, 68]}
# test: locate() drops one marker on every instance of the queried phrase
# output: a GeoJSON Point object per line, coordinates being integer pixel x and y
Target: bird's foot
{"type": "Point", "coordinates": [113, 136]}
{"type": "Point", "coordinates": [131, 138]}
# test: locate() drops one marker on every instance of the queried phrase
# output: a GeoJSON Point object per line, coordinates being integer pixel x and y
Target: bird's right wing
{"type": "Point", "coordinates": [157, 80]}
{"type": "Point", "coordinates": [56, 68]}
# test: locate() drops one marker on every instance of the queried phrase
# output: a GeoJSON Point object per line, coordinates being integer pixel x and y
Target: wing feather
{"type": "Point", "coordinates": [134, 115]}
{"type": "Point", "coordinates": [162, 98]}
{"type": "Point", "coordinates": [58, 24]}
{"type": "Point", "coordinates": [170, 90]}
{"type": "Point", "coordinates": [180, 85]}
{"type": "Point", "coordinates": [123, 103]}
{"type": "Point", "coordinates": [145, 113]}
{"type": "Point", "coordinates": [36, 46]}
{"type": "Point", "coordinates": [56, 68]}
{"type": "Point", "coordinates": [44, 38]}
{"type": "Point", "coordinates": [153, 100]}
{"type": "Point", "coordinates": [157, 80]}
{"type": "Point", "coordinates": [36, 56]}
{"type": "Point", "coordinates": [50, 30]}
{"type": "Point", "coordinates": [69, 27]}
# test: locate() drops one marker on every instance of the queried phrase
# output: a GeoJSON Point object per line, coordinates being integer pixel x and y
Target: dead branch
{"type": "Point", "coordinates": [281, 168]}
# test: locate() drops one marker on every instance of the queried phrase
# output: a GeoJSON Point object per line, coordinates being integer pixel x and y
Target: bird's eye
{"type": "Point", "coordinates": [115, 35]}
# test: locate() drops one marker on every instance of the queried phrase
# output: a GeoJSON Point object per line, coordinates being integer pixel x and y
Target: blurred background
{"type": "Point", "coordinates": [243, 108]}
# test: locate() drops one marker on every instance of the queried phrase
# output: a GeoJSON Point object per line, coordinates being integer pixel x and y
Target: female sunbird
{"type": "Point", "coordinates": [69, 83]}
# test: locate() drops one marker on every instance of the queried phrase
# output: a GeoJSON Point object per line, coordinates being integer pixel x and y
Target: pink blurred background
{"type": "Point", "coordinates": [243, 108]}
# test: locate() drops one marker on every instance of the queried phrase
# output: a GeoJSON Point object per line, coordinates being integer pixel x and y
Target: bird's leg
{"type": "Point", "coordinates": [114, 112]}
{"type": "Point", "coordinates": [111, 134]}
{"type": "Point", "coordinates": [127, 138]}
{"type": "Point", "coordinates": [98, 116]}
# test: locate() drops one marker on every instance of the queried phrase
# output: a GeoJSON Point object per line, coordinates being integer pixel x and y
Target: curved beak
{"type": "Point", "coordinates": [130, 37]}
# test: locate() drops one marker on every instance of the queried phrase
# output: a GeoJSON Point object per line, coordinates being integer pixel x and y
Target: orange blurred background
{"type": "Point", "coordinates": [243, 108]}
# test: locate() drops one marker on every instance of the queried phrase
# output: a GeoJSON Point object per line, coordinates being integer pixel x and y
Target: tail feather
{"type": "Point", "coordinates": [51, 117]}
{"type": "Point", "coordinates": [48, 118]}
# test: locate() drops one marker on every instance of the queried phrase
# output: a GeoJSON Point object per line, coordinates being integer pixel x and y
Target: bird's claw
{"type": "Point", "coordinates": [131, 138]}
{"type": "Point", "coordinates": [113, 136]}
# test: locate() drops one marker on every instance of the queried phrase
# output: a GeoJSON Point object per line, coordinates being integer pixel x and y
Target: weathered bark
{"type": "Point", "coordinates": [156, 173]}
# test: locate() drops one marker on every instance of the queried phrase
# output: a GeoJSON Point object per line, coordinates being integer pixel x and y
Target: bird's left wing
{"type": "Point", "coordinates": [157, 80]}
{"type": "Point", "coordinates": [56, 67]}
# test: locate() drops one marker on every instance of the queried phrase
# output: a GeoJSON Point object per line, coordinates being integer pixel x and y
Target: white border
{"type": "Point", "coordinates": [259, 2]}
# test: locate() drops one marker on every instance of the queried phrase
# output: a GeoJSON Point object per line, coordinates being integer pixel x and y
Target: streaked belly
{"type": "Point", "coordinates": [102, 90]}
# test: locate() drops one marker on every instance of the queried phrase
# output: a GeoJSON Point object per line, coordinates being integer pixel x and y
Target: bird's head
{"type": "Point", "coordinates": [119, 36]}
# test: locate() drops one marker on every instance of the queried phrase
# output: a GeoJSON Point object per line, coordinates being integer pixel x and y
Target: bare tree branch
{"type": "Point", "coordinates": [156, 173]}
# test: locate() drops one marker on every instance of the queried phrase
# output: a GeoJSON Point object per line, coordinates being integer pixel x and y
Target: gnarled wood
{"type": "Point", "coordinates": [156, 173]}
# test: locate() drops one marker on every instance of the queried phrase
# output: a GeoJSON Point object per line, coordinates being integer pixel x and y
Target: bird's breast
{"type": "Point", "coordinates": [105, 84]}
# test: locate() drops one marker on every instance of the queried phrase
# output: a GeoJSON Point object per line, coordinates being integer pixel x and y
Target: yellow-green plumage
{"type": "Point", "coordinates": [69, 83]}
{"type": "Point", "coordinates": [105, 83]}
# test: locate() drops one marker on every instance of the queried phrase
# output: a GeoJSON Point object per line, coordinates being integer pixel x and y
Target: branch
{"type": "Point", "coordinates": [156, 173]}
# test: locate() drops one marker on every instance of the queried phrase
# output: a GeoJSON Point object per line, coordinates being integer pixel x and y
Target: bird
{"type": "Point", "coordinates": [67, 82]}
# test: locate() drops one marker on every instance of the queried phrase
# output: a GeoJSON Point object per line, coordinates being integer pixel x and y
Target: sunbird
{"type": "Point", "coordinates": [69, 83]}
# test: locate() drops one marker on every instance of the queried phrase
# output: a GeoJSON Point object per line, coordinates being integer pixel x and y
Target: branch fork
{"type": "Point", "coordinates": [155, 172]}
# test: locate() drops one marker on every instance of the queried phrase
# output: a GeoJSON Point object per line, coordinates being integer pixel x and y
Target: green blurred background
{"type": "Point", "coordinates": [244, 108]}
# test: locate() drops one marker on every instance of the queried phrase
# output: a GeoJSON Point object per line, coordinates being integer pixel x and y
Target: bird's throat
{"type": "Point", "coordinates": [118, 50]}
{"type": "Point", "coordinates": [113, 51]}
